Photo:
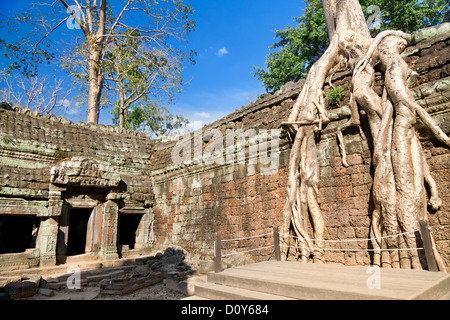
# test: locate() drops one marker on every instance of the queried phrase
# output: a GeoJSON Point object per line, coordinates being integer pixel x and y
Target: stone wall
{"type": "Point", "coordinates": [229, 177]}
{"type": "Point", "coordinates": [50, 166]}
{"type": "Point", "coordinates": [194, 200]}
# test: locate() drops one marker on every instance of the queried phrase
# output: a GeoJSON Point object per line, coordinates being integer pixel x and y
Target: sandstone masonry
{"type": "Point", "coordinates": [56, 176]}
{"type": "Point", "coordinates": [74, 189]}
{"type": "Point", "coordinates": [194, 201]}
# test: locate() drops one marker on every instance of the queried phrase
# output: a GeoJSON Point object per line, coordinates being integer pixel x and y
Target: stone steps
{"type": "Point", "coordinates": [445, 297]}
{"type": "Point", "coordinates": [215, 291]}
{"type": "Point", "coordinates": [274, 280]}
{"type": "Point", "coordinates": [195, 298]}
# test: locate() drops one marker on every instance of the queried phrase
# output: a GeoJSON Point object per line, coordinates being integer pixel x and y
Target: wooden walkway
{"type": "Point", "coordinates": [274, 280]}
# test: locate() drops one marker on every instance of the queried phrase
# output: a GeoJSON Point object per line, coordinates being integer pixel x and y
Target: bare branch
{"type": "Point", "coordinates": [90, 24]}
{"type": "Point", "coordinates": [80, 8]}
{"type": "Point", "coordinates": [48, 33]}
{"type": "Point", "coordinates": [35, 93]}
{"type": "Point", "coordinates": [119, 17]}
{"type": "Point", "coordinates": [102, 19]}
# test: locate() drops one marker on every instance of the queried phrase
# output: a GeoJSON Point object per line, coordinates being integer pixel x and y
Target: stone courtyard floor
{"type": "Point", "coordinates": [159, 277]}
{"type": "Point", "coordinates": [156, 292]}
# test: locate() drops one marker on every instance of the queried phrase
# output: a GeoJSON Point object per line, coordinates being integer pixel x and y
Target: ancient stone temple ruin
{"type": "Point", "coordinates": [69, 190]}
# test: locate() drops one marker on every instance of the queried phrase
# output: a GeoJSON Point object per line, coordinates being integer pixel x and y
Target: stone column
{"type": "Point", "coordinates": [47, 240]}
{"type": "Point", "coordinates": [109, 230]}
{"type": "Point", "coordinates": [55, 203]}
{"type": "Point", "coordinates": [63, 234]}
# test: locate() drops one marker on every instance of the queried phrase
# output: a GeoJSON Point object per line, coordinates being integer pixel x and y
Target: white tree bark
{"type": "Point", "coordinates": [399, 194]}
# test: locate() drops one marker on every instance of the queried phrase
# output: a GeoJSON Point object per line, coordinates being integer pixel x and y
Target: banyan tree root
{"type": "Point", "coordinates": [401, 171]}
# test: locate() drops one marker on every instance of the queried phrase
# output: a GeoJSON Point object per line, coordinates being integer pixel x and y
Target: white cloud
{"type": "Point", "coordinates": [219, 104]}
{"type": "Point", "coordinates": [73, 111]}
{"type": "Point", "coordinates": [223, 51]}
{"type": "Point", "coordinates": [70, 107]}
{"type": "Point", "coordinates": [65, 103]}
{"type": "Point", "coordinates": [204, 115]}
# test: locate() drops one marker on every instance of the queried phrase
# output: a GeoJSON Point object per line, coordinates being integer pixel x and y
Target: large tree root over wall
{"type": "Point", "coordinates": [401, 171]}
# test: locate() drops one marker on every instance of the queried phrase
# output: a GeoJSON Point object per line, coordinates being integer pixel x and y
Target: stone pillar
{"type": "Point", "coordinates": [63, 234]}
{"type": "Point", "coordinates": [145, 235]}
{"type": "Point", "coordinates": [47, 240]}
{"type": "Point", "coordinates": [109, 230]}
{"type": "Point", "coordinates": [94, 230]}
{"type": "Point", "coordinates": [55, 203]}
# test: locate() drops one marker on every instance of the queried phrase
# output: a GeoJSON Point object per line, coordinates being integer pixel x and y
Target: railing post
{"type": "Point", "coordinates": [218, 254]}
{"type": "Point", "coordinates": [276, 243]}
{"type": "Point", "coordinates": [425, 232]}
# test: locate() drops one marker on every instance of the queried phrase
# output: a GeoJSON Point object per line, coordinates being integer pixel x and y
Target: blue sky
{"type": "Point", "coordinates": [231, 37]}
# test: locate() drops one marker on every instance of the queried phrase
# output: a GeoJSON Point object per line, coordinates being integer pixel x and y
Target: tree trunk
{"type": "Point", "coordinates": [95, 85]}
{"type": "Point", "coordinates": [96, 46]}
{"type": "Point", "coordinates": [121, 118]}
{"type": "Point", "coordinates": [122, 107]}
{"type": "Point", "coordinates": [399, 195]}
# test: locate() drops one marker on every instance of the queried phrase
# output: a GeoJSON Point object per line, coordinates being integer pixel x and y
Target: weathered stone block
{"type": "Point", "coordinates": [46, 292]}
{"type": "Point", "coordinates": [20, 290]}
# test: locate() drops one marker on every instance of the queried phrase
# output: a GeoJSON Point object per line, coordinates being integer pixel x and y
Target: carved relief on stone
{"type": "Point", "coordinates": [84, 172]}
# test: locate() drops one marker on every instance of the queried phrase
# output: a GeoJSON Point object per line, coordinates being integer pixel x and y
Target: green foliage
{"type": "Point", "coordinates": [298, 47]}
{"type": "Point", "coordinates": [152, 118]}
{"type": "Point", "coordinates": [335, 96]}
{"type": "Point", "coordinates": [140, 77]}
{"type": "Point", "coordinates": [140, 55]}
{"type": "Point", "coordinates": [407, 15]}
{"type": "Point", "coordinates": [24, 56]}
{"type": "Point", "coordinates": [7, 140]}
{"type": "Point", "coordinates": [301, 46]}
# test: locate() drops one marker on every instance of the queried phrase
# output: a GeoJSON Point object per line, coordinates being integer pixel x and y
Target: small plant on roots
{"type": "Point", "coordinates": [335, 96]}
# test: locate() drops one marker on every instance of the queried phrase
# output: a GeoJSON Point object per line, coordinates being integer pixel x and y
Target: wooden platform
{"type": "Point", "coordinates": [294, 280]}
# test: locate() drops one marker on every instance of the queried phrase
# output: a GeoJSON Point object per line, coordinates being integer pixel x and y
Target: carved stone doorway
{"type": "Point", "coordinates": [86, 198]}
{"type": "Point", "coordinates": [128, 227]}
{"type": "Point", "coordinates": [78, 225]}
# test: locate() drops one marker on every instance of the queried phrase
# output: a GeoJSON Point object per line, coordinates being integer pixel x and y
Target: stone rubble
{"type": "Point", "coordinates": [171, 268]}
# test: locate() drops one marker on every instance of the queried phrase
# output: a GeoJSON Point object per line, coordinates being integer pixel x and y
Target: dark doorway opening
{"type": "Point", "coordinates": [17, 234]}
{"type": "Point", "coordinates": [128, 225]}
{"type": "Point", "coordinates": [78, 221]}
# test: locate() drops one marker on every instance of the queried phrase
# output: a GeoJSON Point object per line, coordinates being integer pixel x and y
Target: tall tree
{"type": "Point", "coordinates": [158, 23]}
{"type": "Point", "coordinates": [150, 117]}
{"type": "Point", "coordinates": [136, 72]}
{"type": "Point", "coordinates": [301, 46]}
{"type": "Point", "coordinates": [401, 171]}
{"type": "Point", "coordinates": [130, 76]}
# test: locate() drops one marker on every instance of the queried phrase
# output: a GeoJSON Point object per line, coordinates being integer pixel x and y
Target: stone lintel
{"type": "Point", "coordinates": [22, 207]}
